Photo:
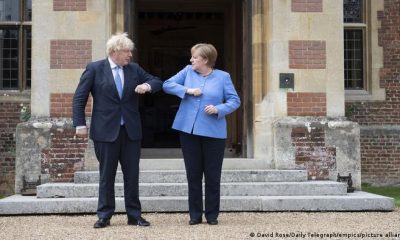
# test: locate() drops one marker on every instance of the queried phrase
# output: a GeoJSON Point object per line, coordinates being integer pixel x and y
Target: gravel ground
{"type": "Point", "coordinates": [233, 225]}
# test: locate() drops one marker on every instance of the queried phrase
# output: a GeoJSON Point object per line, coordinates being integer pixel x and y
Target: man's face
{"type": "Point", "coordinates": [121, 57]}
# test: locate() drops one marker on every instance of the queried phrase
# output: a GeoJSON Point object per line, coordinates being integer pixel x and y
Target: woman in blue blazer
{"type": "Point", "coordinates": [207, 96]}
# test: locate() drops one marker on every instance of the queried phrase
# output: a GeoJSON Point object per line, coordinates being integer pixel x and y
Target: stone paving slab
{"type": "Point", "coordinates": [358, 201]}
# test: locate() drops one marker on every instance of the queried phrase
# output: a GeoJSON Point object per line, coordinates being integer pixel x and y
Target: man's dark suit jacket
{"type": "Point", "coordinates": [98, 80]}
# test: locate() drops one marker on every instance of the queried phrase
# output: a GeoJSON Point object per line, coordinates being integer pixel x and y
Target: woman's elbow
{"type": "Point", "coordinates": [165, 86]}
{"type": "Point", "coordinates": [238, 102]}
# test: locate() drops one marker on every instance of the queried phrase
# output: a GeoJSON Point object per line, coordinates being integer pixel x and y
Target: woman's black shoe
{"type": "Point", "coordinates": [194, 221]}
{"type": "Point", "coordinates": [212, 222]}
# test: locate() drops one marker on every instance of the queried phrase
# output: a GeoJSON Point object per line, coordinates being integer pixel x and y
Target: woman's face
{"type": "Point", "coordinates": [198, 63]}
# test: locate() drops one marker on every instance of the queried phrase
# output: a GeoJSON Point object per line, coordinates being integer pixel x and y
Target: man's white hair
{"type": "Point", "coordinates": [119, 41]}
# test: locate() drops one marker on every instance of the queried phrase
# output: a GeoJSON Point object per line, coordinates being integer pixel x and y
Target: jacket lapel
{"type": "Point", "coordinates": [124, 69]}
{"type": "Point", "coordinates": [128, 84]}
{"type": "Point", "coordinates": [110, 77]}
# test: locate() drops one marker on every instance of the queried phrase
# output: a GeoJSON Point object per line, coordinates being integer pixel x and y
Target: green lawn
{"type": "Point", "coordinates": [393, 192]}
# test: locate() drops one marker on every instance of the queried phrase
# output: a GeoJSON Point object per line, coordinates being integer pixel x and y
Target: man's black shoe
{"type": "Point", "coordinates": [212, 222]}
{"type": "Point", "coordinates": [102, 223]}
{"type": "Point", "coordinates": [138, 222]}
{"type": "Point", "coordinates": [194, 221]}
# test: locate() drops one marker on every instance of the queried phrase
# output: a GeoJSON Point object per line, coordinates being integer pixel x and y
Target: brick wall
{"type": "Point", "coordinates": [382, 113]}
{"type": "Point", "coordinates": [307, 5]}
{"type": "Point", "coordinates": [380, 156]}
{"type": "Point", "coordinates": [307, 54]}
{"type": "Point", "coordinates": [312, 153]}
{"type": "Point", "coordinates": [70, 54]}
{"type": "Point", "coordinates": [9, 118]}
{"type": "Point", "coordinates": [61, 105]}
{"type": "Point", "coordinates": [388, 111]}
{"type": "Point", "coordinates": [64, 156]}
{"type": "Point", "coordinates": [69, 5]}
{"type": "Point", "coordinates": [306, 104]}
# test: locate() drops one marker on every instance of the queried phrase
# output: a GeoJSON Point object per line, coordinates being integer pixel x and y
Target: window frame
{"type": "Point", "coordinates": [364, 59]}
{"type": "Point", "coordinates": [373, 56]}
{"type": "Point", "coordinates": [363, 27]}
{"type": "Point", "coordinates": [21, 26]}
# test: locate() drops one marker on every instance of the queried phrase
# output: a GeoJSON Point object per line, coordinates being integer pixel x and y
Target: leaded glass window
{"type": "Point", "coordinates": [9, 58]}
{"type": "Point", "coordinates": [353, 11]}
{"type": "Point", "coordinates": [353, 59]}
{"type": "Point", "coordinates": [28, 10]}
{"type": "Point", "coordinates": [28, 59]}
{"type": "Point", "coordinates": [15, 44]}
{"type": "Point", "coordinates": [9, 10]}
{"type": "Point", "coordinates": [354, 45]}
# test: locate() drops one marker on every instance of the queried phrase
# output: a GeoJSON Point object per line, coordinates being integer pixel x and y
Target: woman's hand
{"type": "Point", "coordinates": [194, 91]}
{"type": "Point", "coordinates": [210, 109]}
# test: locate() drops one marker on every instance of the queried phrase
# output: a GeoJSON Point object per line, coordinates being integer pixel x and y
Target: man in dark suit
{"type": "Point", "coordinates": [115, 128]}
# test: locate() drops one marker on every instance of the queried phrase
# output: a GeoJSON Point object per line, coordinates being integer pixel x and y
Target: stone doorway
{"type": "Point", "coordinates": [164, 32]}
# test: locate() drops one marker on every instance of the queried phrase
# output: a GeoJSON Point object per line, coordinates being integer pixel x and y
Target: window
{"type": "Point", "coordinates": [354, 45]}
{"type": "Point", "coordinates": [15, 44]}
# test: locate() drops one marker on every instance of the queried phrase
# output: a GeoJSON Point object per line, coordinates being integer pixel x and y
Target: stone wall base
{"type": "Point", "coordinates": [325, 147]}
{"type": "Point", "coordinates": [50, 149]}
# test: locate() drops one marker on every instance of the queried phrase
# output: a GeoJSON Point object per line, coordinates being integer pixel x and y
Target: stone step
{"type": "Point", "coordinates": [358, 201]}
{"type": "Point", "coordinates": [153, 153]}
{"type": "Point", "coordinates": [179, 176]}
{"type": "Point", "coordinates": [72, 190]}
{"type": "Point", "coordinates": [178, 164]}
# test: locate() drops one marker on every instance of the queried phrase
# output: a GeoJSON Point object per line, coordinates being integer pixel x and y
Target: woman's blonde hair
{"type": "Point", "coordinates": [118, 42]}
{"type": "Point", "coordinates": [206, 51]}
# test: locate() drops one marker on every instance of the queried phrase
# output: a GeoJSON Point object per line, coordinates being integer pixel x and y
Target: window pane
{"type": "Point", "coordinates": [9, 10]}
{"type": "Point", "coordinates": [28, 34]}
{"type": "Point", "coordinates": [353, 11]}
{"type": "Point", "coordinates": [8, 59]}
{"type": "Point", "coordinates": [28, 10]}
{"type": "Point", "coordinates": [353, 59]}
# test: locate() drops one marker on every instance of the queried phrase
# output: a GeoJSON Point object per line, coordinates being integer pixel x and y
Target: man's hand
{"type": "Point", "coordinates": [142, 88]}
{"type": "Point", "coordinates": [194, 91]}
{"type": "Point", "coordinates": [81, 131]}
{"type": "Point", "coordinates": [211, 109]}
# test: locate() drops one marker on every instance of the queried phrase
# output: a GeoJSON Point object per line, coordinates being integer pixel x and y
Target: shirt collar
{"type": "Point", "coordinates": [112, 64]}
